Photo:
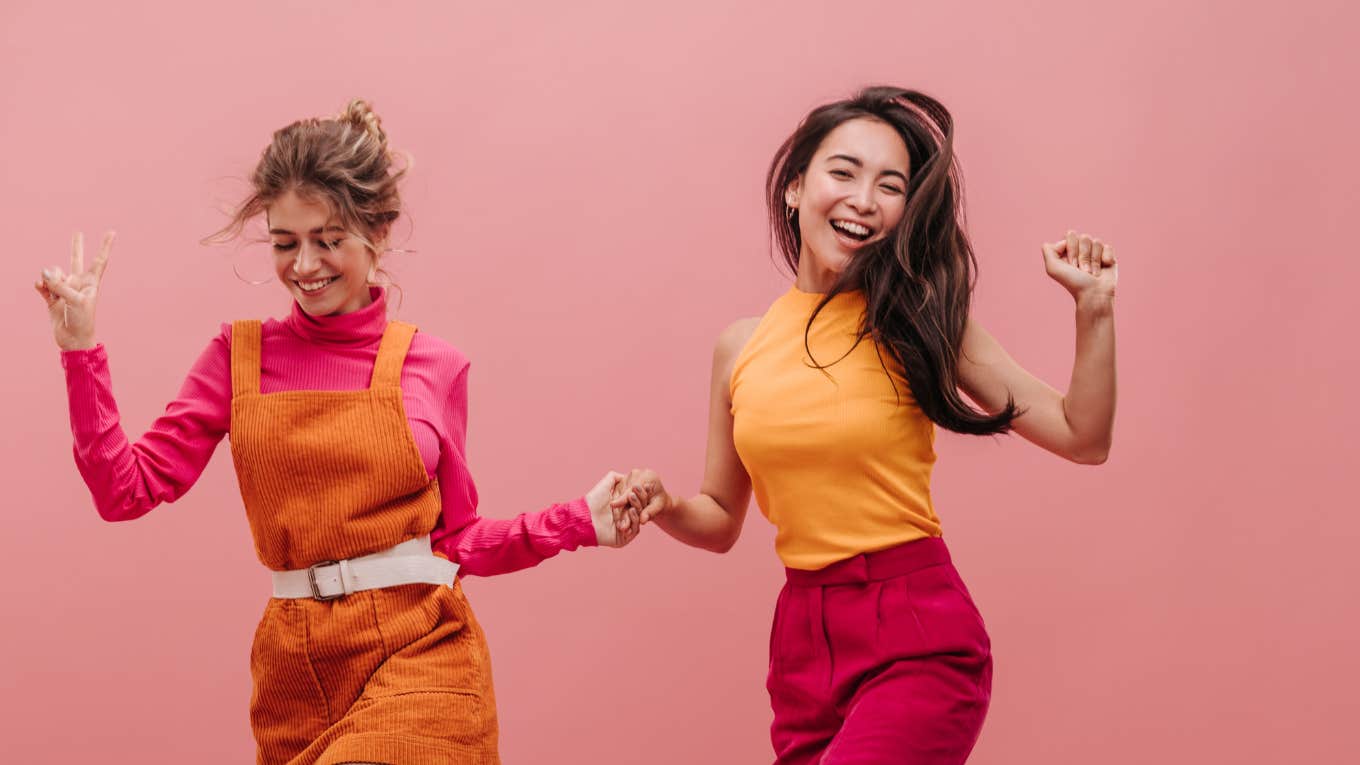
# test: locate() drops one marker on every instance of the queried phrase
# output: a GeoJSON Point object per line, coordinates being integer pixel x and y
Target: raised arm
{"type": "Point", "coordinates": [1078, 425]}
{"type": "Point", "coordinates": [127, 480]}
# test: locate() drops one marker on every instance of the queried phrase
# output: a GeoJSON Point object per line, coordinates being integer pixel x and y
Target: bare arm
{"type": "Point", "coordinates": [1079, 425]}
{"type": "Point", "coordinates": [711, 519]}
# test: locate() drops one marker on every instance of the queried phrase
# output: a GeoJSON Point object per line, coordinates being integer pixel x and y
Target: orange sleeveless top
{"type": "Point", "coordinates": [839, 460]}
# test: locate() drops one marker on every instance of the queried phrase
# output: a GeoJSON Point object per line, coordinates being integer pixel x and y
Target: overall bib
{"type": "Point", "coordinates": [397, 675]}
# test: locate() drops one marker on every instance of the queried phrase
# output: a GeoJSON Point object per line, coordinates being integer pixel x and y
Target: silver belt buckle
{"type": "Point", "coordinates": [311, 580]}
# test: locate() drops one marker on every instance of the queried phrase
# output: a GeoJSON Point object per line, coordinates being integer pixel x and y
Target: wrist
{"type": "Point", "coordinates": [1095, 305]}
{"type": "Point", "coordinates": [78, 345]}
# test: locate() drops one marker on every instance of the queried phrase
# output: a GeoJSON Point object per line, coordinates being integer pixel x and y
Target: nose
{"type": "Point", "coordinates": [862, 199]}
{"type": "Point", "coordinates": [308, 258]}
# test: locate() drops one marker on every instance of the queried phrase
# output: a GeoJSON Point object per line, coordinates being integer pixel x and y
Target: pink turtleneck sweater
{"type": "Point", "coordinates": [305, 352]}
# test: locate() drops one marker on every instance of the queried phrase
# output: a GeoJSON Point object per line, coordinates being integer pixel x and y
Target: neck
{"type": "Point", "coordinates": [812, 277]}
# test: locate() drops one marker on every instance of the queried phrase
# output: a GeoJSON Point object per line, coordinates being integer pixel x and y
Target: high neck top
{"type": "Point", "coordinates": [839, 457]}
{"type": "Point", "coordinates": [356, 328]}
{"type": "Point", "coordinates": [311, 353]}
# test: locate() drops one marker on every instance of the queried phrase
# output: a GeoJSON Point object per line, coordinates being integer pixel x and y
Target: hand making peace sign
{"type": "Point", "coordinates": [71, 297]}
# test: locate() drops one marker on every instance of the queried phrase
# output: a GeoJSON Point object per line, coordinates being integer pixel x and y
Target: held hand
{"type": "Point", "coordinates": [71, 297]}
{"type": "Point", "coordinates": [614, 527]}
{"type": "Point", "coordinates": [645, 495]}
{"type": "Point", "coordinates": [1085, 267]}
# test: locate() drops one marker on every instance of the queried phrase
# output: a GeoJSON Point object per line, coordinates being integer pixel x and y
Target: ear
{"type": "Point", "coordinates": [791, 191]}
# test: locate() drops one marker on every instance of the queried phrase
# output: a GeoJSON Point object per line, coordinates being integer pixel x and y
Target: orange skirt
{"type": "Point", "coordinates": [400, 675]}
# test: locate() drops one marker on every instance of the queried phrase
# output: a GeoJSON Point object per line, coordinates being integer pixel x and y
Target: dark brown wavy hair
{"type": "Point", "coordinates": [918, 281]}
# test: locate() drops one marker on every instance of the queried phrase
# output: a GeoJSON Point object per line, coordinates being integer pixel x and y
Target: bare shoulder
{"type": "Point", "coordinates": [733, 339]}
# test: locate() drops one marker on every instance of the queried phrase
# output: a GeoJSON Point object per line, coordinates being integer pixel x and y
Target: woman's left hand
{"type": "Point", "coordinates": [1086, 267]}
{"type": "Point", "coordinates": [614, 526]}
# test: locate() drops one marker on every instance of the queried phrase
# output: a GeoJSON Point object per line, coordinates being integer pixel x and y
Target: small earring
{"type": "Point", "coordinates": [789, 211]}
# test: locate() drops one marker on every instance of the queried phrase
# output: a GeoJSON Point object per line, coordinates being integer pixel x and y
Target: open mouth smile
{"type": "Point", "coordinates": [855, 232]}
{"type": "Point", "coordinates": [315, 286]}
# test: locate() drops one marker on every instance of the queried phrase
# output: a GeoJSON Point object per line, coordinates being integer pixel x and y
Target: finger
{"type": "Point", "coordinates": [1108, 256]}
{"type": "Point", "coordinates": [1070, 241]}
{"type": "Point", "coordinates": [1097, 252]}
{"type": "Point", "coordinates": [1052, 257]}
{"type": "Point", "coordinates": [77, 252]}
{"type": "Point", "coordinates": [102, 260]}
{"type": "Point", "coordinates": [61, 288]}
{"type": "Point", "coordinates": [1084, 253]}
{"type": "Point", "coordinates": [609, 484]}
{"type": "Point", "coordinates": [46, 295]}
{"type": "Point", "coordinates": [652, 509]}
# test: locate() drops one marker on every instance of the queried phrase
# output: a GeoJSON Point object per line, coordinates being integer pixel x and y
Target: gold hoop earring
{"type": "Point", "coordinates": [236, 269]}
{"type": "Point", "coordinates": [789, 211]}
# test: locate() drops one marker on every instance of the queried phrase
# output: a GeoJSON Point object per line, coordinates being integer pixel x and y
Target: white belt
{"type": "Point", "coordinates": [410, 562]}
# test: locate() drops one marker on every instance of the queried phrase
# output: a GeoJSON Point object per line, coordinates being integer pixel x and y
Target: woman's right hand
{"type": "Point", "coordinates": [643, 492]}
{"type": "Point", "coordinates": [71, 297]}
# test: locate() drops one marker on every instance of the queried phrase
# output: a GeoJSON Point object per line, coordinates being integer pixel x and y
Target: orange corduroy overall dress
{"type": "Point", "coordinates": [398, 675]}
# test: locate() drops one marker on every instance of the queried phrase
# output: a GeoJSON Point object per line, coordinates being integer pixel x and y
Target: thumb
{"type": "Point", "coordinates": [45, 294]}
{"type": "Point", "coordinates": [654, 508]}
{"type": "Point", "coordinates": [1050, 251]}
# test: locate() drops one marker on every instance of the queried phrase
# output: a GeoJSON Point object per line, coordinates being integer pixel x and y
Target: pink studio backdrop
{"type": "Point", "coordinates": [586, 215]}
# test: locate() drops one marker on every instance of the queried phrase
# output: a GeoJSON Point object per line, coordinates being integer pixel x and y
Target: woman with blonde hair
{"type": "Point", "coordinates": [347, 434]}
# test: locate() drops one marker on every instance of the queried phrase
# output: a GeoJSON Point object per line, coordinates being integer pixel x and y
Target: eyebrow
{"type": "Point", "coordinates": [318, 230]}
{"type": "Point", "coordinates": [857, 163]}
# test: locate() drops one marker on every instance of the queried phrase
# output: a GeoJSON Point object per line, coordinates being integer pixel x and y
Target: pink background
{"type": "Point", "coordinates": [586, 210]}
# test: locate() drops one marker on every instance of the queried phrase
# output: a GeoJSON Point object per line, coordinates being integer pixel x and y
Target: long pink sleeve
{"type": "Point", "coordinates": [128, 479]}
{"type": "Point", "coordinates": [125, 479]}
{"type": "Point", "coordinates": [486, 546]}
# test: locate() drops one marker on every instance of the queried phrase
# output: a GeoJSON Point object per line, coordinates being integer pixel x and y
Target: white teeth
{"type": "Point", "coordinates": [312, 286]}
{"type": "Point", "coordinates": [852, 227]}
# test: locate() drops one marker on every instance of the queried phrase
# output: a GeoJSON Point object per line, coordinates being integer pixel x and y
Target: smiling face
{"type": "Point", "coordinates": [852, 194]}
{"type": "Point", "coordinates": [325, 267]}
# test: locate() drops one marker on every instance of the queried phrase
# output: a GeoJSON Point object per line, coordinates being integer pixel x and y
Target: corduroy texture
{"type": "Point", "coordinates": [302, 352]}
{"type": "Point", "coordinates": [327, 474]}
{"type": "Point", "coordinates": [400, 675]}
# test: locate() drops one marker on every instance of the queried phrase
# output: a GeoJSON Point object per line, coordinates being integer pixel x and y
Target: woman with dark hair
{"type": "Point", "coordinates": [347, 433]}
{"type": "Point", "coordinates": [826, 407]}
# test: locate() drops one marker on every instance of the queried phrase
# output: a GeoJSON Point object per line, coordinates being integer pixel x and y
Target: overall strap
{"type": "Point", "coordinates": [396, 340]}
{"type": "Point", "coordinates": [245, 357]}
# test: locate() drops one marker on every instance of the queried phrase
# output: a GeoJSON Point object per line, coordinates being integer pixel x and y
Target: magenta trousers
{"type": "Point", "coordinates": [881, 658]}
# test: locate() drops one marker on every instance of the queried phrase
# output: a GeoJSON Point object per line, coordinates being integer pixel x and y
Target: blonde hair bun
{"type": "Point", "coordinates": [359, 114]}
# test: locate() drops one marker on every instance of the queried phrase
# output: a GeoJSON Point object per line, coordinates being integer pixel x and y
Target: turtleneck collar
{"type": "Point", "coordinates": [356, 328]}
